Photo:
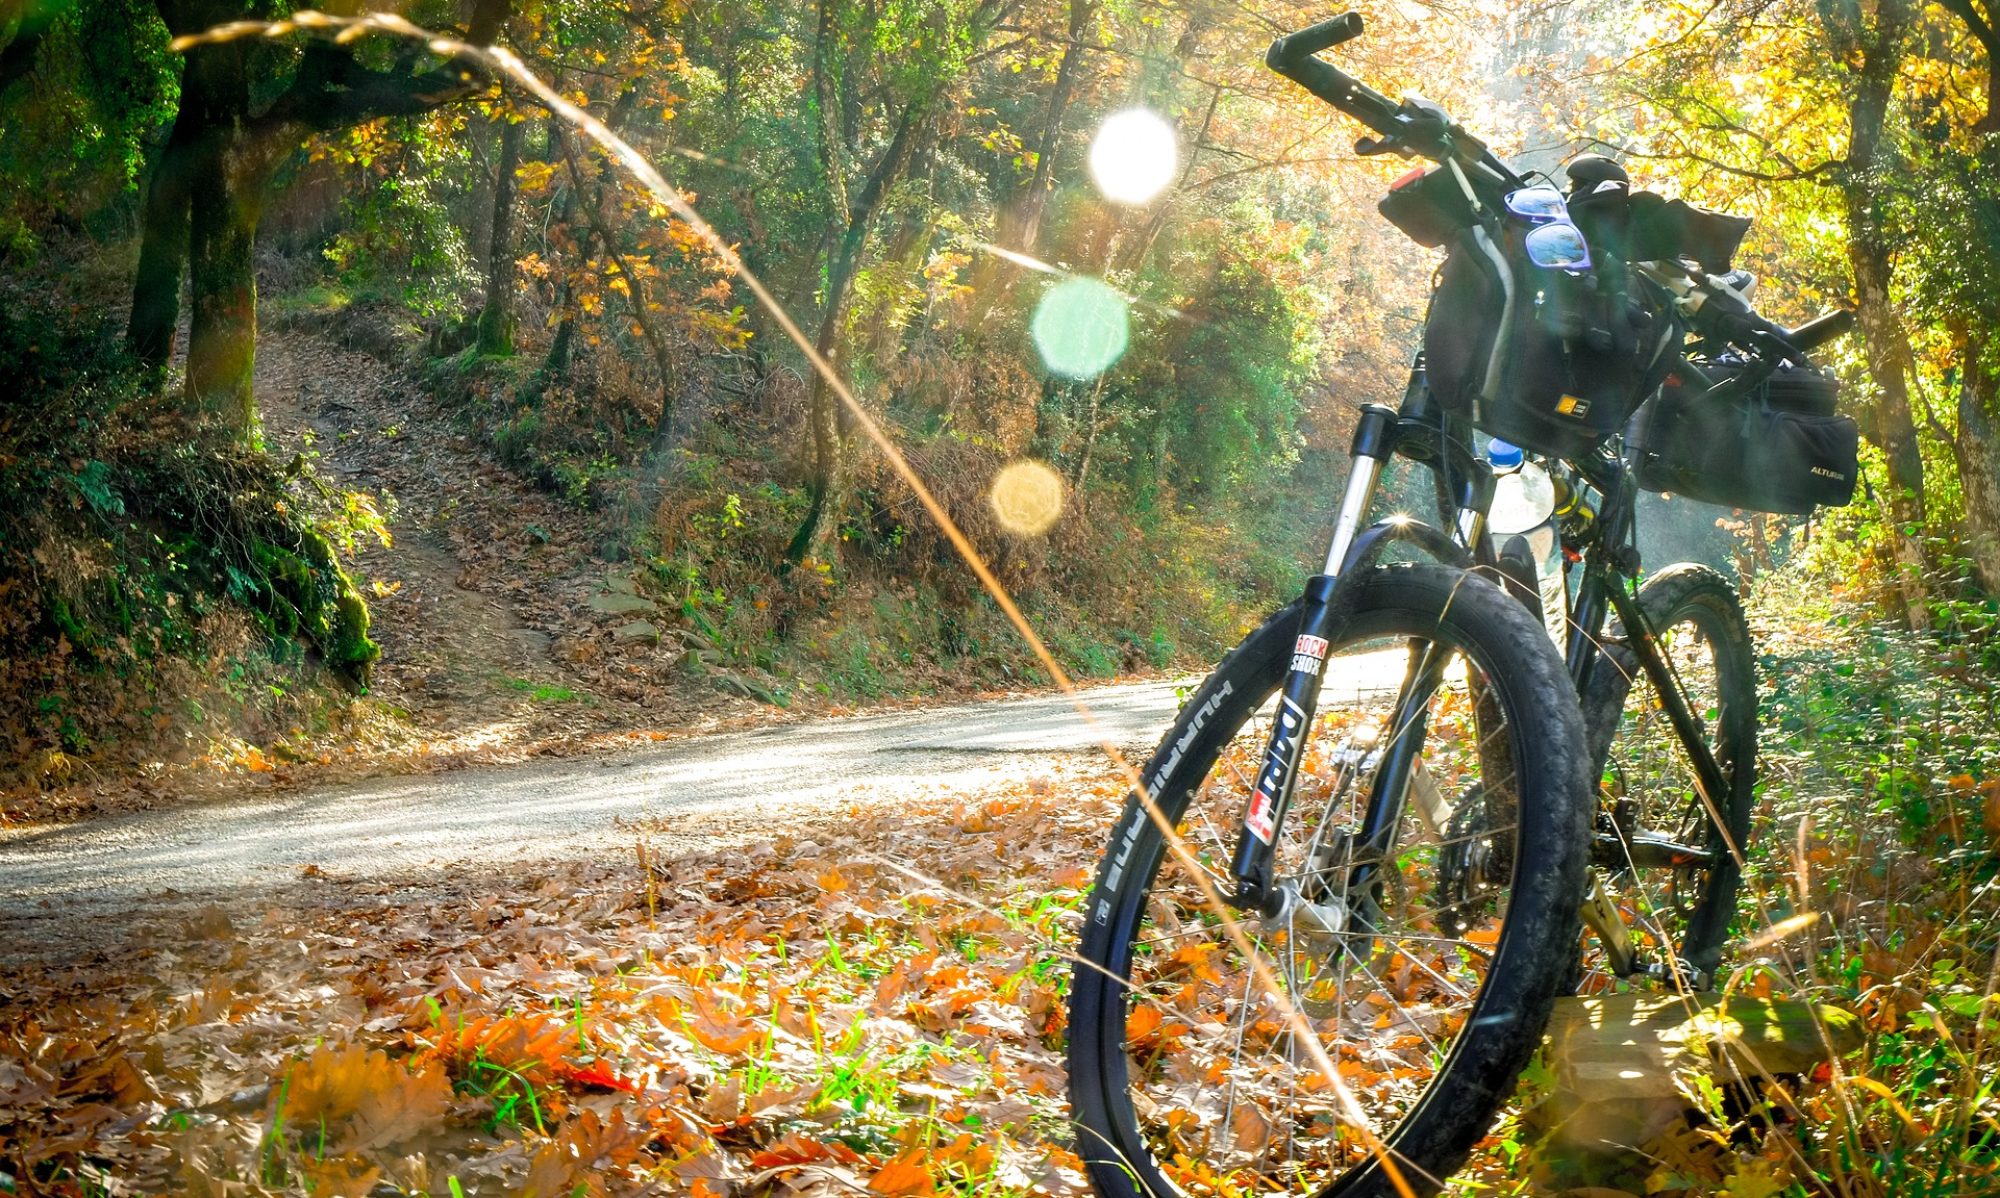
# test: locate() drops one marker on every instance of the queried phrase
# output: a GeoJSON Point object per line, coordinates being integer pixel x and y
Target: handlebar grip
{"type": "Point", "coordinates": [1821, 329]}
{"type": "Point", "coordinates": [1294, 47]}
{"type": "Point", "coordinates": [1292, 57]}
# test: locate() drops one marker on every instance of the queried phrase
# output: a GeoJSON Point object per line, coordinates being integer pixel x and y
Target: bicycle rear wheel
{"type": "Point", "coordinates": [1427, 990]}
{"type": "Point", "coordinates": [1647, 780]}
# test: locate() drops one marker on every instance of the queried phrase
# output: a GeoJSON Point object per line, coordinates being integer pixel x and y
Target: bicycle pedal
{"type": "Point", "coordinates": [1679, 974]}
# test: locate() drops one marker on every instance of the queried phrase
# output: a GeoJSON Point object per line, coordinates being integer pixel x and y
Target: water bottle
{"type": "Point", "coordinates": [1524, 505]}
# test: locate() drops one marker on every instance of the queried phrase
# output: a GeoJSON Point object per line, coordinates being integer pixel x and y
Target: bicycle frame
{"type": "Point", "coordinates": [1419, 430]}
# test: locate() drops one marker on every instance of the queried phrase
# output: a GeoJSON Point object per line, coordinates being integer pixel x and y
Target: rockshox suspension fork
{"type": "Point", "coordinates": [1379, 434]}
{"type": "Point", "coordinates": [1421, 431]}
{"type": "Point", "coordinates": [1298, 699]}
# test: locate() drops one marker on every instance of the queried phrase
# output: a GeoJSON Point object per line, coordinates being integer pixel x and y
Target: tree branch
{"type": "Point", "coordinates": [332, 90]}
{"type": "Point", "coordinates": [1982, 29]}
{"type": "Point", "coordinates": [1975, 21]}
{"type": "Point", "coordinates": [1807, 174]}
{"type": "Point", "coordinates": [17, 54]}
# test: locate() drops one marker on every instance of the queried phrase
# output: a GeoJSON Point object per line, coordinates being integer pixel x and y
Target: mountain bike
{"type": "Point", "coordinates": [1398, 788]}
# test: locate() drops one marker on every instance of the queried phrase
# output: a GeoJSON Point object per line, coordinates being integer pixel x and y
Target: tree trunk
{"type": "Point", "coordinates": [889, 321]}
{"type": "Point", "coordinates": [1135, 257]}
{"type": "Point", "coordinates": [1033, 203]}
{"type": "Point", "coordinates": [163, 244]}
{"type": "Point", "coordinates": [1020, 223]}
{"type": "Point", "coordinates": [225, 196]}
{"type": "Point", "coordinates": [826, 485]}
{"type": "Point", "coordinates": [1090, 422]}
{"type": "Point", "coordinates": [1889, 422]}
{"type": "Point", "coordinates": [222, 276]}
{"type": "Point", "coordinates": [496, 316]}
{"type": "Point", "coordinates": [1976, 450]}
{"type": "Point", "coordinates": [634, 291]}
{"type": "Point", "coordinates": [1874, 51]}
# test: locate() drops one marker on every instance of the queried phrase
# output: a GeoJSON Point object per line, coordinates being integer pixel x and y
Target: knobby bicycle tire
{"type": "Point", "coordinates": [1116, 1044]}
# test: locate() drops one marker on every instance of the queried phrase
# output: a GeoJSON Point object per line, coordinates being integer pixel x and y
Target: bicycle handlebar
{"type": "Point", "coordinates": [1292, 57]}
{"type": "Point", "coordinates": [1821, 329]}
{"type": "Point", "coordinates": [1314, 38]}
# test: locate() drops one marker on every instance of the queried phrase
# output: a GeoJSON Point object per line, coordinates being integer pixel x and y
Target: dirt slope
{"type": "Point", "coordinates": [483, 598]}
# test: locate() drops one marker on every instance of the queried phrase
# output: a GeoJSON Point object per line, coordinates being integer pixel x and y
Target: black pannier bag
{"type": "Point", "coordinates": [1578, 355]}
{"type": "Point", "coordinates": [1778, 448]}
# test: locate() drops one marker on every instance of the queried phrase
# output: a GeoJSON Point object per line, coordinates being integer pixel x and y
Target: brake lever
{"type": "Point", "coordinates": [1369, 147]}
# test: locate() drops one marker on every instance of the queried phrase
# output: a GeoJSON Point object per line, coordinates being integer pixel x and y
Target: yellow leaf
{"type": "Point", "coordinates": [358, 1100]}
{"type": "Point", "coordinates": [1755, 1179]}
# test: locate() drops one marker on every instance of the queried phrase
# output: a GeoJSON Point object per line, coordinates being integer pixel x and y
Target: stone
{"type": "Point", "coordinates": [737, 684]}
{"type": "Point", "coordinates": [638, 632]}
{"type": "Point", "coordinates": [611, 603]}
{"type": "Point", "coordinates": [1756, 1036]}
{"type": "Point", "coordinates": [1618, 1062]}
{"type": "Point", "coordinates": [531, 640]}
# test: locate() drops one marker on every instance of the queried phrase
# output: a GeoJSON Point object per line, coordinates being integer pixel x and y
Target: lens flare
{"type": "Point", "coordinates": [1134, 156]}
{"type": "Point", "coordinates": [1080, 327]}
{"type": "Point", "coordinates": [1027, 496]}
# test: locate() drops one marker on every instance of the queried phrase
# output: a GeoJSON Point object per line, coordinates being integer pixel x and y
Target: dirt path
{"type": "Point", "coordinates": [109, 881]}
{"type": "Point", "coordinates": [486, 598]}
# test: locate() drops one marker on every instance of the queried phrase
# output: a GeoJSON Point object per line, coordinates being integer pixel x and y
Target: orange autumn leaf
{"type": "Point", "coordinates": [528, 1044]}
{"type": "Point", "coordinates": [907, 1176]}
{"type": "Point", "coordinates": [719, 1031]}
{"type": "Point", "coordinates": [356, 1099]}
{"type": "Point", "coordinates": [801, 1149]}
{"type": "Point", "coordinates": [600, 1075]}
{"type": "Point", "coordinates": [1142, 1023]}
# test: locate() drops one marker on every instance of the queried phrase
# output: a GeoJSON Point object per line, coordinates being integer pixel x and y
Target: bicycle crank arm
{"type": "Point", "coordinates": [1601, 915]}
{"type": "Point", "coordinates": [1647, 850]}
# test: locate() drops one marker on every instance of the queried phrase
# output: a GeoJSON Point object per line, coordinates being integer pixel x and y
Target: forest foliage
{"type": "Point", "coordinates": [911, 182]}
{"type": "Point", "coordinates": [910, 178]}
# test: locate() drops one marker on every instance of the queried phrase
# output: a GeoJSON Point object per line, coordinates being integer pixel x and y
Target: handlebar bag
{"type": "Point", "coordinates": [1662, 228]}
{"type": "Point", "coordinates": [1640, 226]}
{"type": "Point", "coordinates": [1778, 448]}
{"type": "Point", "coordinates": [1427, 206]}
{"type": "Point", "coordinates": [1577, 357]}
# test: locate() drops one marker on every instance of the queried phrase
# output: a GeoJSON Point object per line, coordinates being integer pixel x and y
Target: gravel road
{"type": "Point", "coordinates": [56, 881]}
{"type": "Point", "coordinates": [63, 889]}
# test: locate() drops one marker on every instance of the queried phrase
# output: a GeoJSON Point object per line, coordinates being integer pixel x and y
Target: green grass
{"type": "Point", "coordinates": [516, 1105]}
{"type": "Point", "coordinates": [541, 692]}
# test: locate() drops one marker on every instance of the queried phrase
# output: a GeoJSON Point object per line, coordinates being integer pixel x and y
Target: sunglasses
{"type": "Point", "coordinates": [1554, 243]}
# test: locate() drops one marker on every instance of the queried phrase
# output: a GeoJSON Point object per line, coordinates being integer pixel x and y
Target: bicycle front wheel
{"type": "Point", "coordinates": [1198, 1063]}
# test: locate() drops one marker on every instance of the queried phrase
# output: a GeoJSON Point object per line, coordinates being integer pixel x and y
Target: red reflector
{"type": "Point", "coordinates": [1415, 174]}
